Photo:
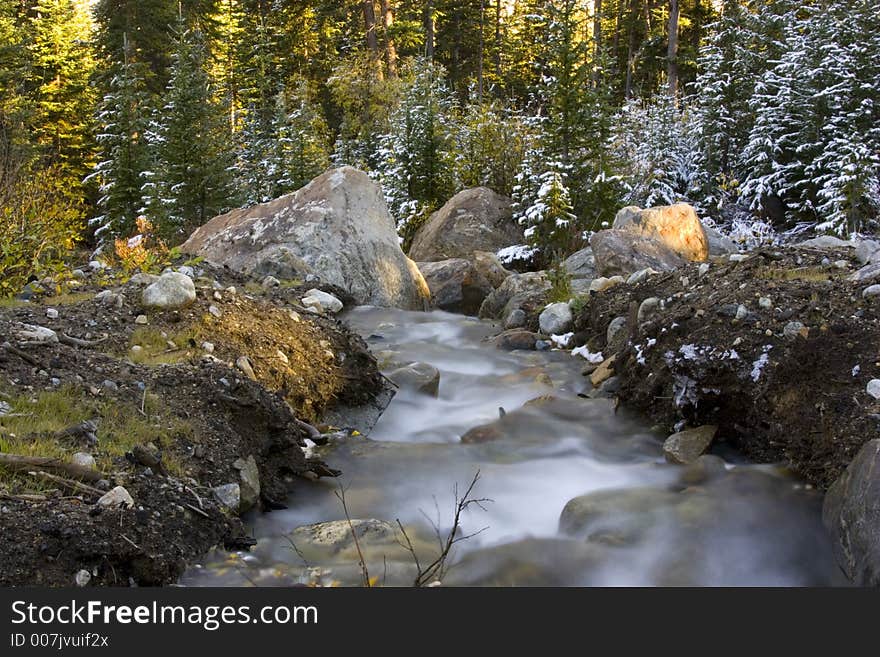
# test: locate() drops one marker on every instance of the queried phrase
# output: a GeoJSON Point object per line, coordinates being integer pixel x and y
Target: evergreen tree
{"type": "Point", "coordinates": [123, 119]}
{"type": "Point", "coordinates": [191, 181]}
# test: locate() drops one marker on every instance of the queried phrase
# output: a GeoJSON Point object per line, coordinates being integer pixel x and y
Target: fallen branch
{"type": "Point", "coordinates": [26, 357]}
{"type": "Point", "coordinates": [18, 463]}
{"type": "Point", "coordinates": [196, 509]}
{"type": "Point", "coordinates": [70, 484]}
{"type": "Point", "coordinates": [79, 342]}
{"type": "Point", "coordinates": [23, 497]}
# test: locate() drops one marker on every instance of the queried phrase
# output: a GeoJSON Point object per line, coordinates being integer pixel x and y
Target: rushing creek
{"type": "Point", "coordinates": [638, 520]}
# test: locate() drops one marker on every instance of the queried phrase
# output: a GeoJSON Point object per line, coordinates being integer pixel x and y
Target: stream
{"type": "Point", "coordinates": [638, 521]}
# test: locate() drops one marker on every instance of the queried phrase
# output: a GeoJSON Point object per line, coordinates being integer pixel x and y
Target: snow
{"type": "Point", "coordinates": [584, 351]}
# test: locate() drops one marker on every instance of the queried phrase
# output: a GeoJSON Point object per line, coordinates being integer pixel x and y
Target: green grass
{"type": "Point", "coordinates": [36, 420]}
{"type": "Point", "coordinates": [67, 299]}
{"type": "Point", "coordinates": [12, 302]}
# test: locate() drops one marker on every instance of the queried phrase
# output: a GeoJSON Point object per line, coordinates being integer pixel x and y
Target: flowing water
{"type": "Point", "coordinates": [638, 520]}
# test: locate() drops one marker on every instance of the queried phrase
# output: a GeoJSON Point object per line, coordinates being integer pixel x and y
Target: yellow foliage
{"type": "Point", "coordinates": [142, 252]}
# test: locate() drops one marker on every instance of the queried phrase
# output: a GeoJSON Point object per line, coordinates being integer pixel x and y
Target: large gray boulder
{"type": "Point", "coordinates": [456, 285]}
{"type": "Point", "coordinates": [677, 226]}
{"type": "Point", "coordinates": [581, 264]}
{"type": "Point", "coordinates": [852, 515]}
{"type": "Point", "coordinates": [473, 220]}
{"type": "Point", "coordinates": [622, 252]}
{"type": "Point", "coordinates": [719, 244]}
{"type": "Point", "coordinates": [337, 227]}
{"type": "Point", "coordinates": [526, 292]}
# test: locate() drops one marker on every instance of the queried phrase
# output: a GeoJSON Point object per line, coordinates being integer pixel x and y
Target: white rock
{"type": "Point", "coordinates": [215, 311]}
{"type": "Point", "coordinates": [51, 313]}
{"type": "Point", "coordinates": [765, 303]}
{"type": "Point", "coordinates": [637, 277]}
{"type": "Point", "coordinates": [741, 312]}
{"type": "Point", "coordinates": [116, 498]}
{"type": "Point", "coordinates": [270, 281]}
{"type": "Point", "coordinates": [83, 459]}
{"type": "Point", "coordinates": [703, 269]}
{"type": "Point", "coordinates": [172, 290]}
{"type": "Point", "coordinates": [871, 291]}
{"type": "Point", "coordinates": [555, 319]}
{"type": "Point", "coordinates": [647, 308]}
{"type": "Point", "coordinates": [186, 270]}
{"type": "Point", "coordinates": [244, 364]}
{"type": "Point", "coordinates": [141, 319]}
{"type": "Point", "coordinates": [323, 300]}
{"type": "Point", "coordinates": [82, 578]}
{"type": "Point", "coordinates": [96, 265]}
{"type": "Point", "coordinates": [601, 284]}
{"type": "Point", "coordinates": [208, 347]}
{"type": "Point", "coordinates": [33, 333]}
{"type": "Point", "coordinates": [874, 388]}
{"type": "Point", "coordinates": [738, 257]}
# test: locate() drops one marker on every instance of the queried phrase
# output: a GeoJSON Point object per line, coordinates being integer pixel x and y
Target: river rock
{"type": "Point", "coordinates": [483, 433]}
{"type": "Point", "coordinates": [615, 516]}
{"type": "Point", "coordinates": [602, 283]}
{"type": "Point", "coordinates": [677, 226]}
{"type": "Point", "coordinates": [422, 377]}
{"type": "Point", "coordinates": [337, 227]}
{"type": "Point", "coordinates": [851, 513]}
{"type": "Point", "coordinates": [473, 220]}
{"type": "Point", "coordinates": [647, 309]}
{"type": "Point", "coordinates": [555, 319]}
{"type": "Point", "coordinates": [116, 498]}
{"type": "Point", "coordinates": [516, 319]}
{"type": "Point", "coordinates": [581, 264]}
{"type": "Point", "coordinates": [615, 334]}
{"type": "Point", "coordinates": [456, 285]}
{"type": "Point", "coordinates": [604, 372]}
{"type": "Point", "coordinates": [229, 495]}
{"type": "Point", "coordinates": [621, 253]}
{"type": "Point", "coordinates": [334, 541]}
{"type": "Point", "coordinates": [249, 485]}
{"type": "Point", "coordinates": [526, 292]}
{"type": "Point", "coordinates": [516, 339]}
{"type": "Point", "coordinates": [172, 290]}
{"type": "Point", "coordinates": [873, 388]}
{"type": "Point", "coordinates": [321, 301]}
{"type": "Point", "coordinates": [491, 267]}
{"type": "Point", "coordinates": [83, 459]}
{"type": "Point", "coordinates": [530, 562]}
{"type": "Point", "coordinates": [687, 446]}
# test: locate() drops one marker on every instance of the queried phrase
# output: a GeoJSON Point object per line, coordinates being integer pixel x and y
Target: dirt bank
{"type": "Point", "coordinates": [776, 350]}
{"type": "Point", "coordinates": [175, 414]}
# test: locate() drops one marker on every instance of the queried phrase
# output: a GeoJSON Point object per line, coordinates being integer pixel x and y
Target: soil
{"type": "Point", "coordinates": [693, 362]}
{"type": "Point", "coordinates": [207, 414]}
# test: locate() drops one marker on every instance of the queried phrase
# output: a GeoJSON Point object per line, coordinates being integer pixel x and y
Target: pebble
{"type": "Point", "coordinates": [874, 388]}
{"type": "Point", "coordinates": [78, 274]}
{"type": "Point", "coordinates": [55, 381]}
{"type": "Point", "coordinates": [231, 290]}
{"type": "Point", "coordinates": [793, 330]}
{"type": "Point", "coordinates": [543, 345]}
{"type": "Point", "coordinates": [136, 349]}
{"type": "Point", "coordinates": [601, 284]}
{"type": "Point", "coordinates": [270, 281]}
{"type": "Point", "coordinates": [765, 303]}
{"type": "Point", "coordinates": [51, 313]}
{"type": "Point", "coordinates": [82, 578]}
{"type": "Point", "coordinates": [841, 264]}
{"type": "Point", "coordinates": [218, 296]}
{"type": "Point", "coordinates": [245, 366]}
{"type": "Point", "coordinates": [647, 309]}
{"type": "Point", "coordinates": [738, 257]}
{"type": "Point", "coordinates": [95, 265]}
{"type": "Point", "coordinates": [186, 270]}
{"type": "Point", "coordinates": [214, 310]}
{"type": "Point", "coordinates": [208, 347]}
{"type": "Point", "coordinates": [703, 269]}
{"type": "Point", "coordinates": [741, 312]}
{"type": "Point", "coordinates": [5, 408]}
{"type": "Point", "coordinates": [83, 459]}
{"type": "Point", "coordinates": [117, 497]}
{"type": "Point", "coordinates": [871, 291]}
{"type": "Point", "coordinates": [141, 319]}
{"type": "Point", "coordinates": [110, 385]}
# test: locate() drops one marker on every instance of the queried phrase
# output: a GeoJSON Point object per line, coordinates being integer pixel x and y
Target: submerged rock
{"type": "Point", "coordinates": [851, 513]}
{"type": "Point", "coordinates": [421, 377]}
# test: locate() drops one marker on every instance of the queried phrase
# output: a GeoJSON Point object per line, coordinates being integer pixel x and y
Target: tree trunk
{"type": "Point", "coordinates": [497, 54]}
{"type": "Point", "coordinates": [370, 29]}
{"type": "Point", "coordinates": [482, 49]}
{"type": "Point", "coordinates": [390, 48]}
{"type": "Point", "coordinates": [672, 51]}
{"type": "Point", "coordinates": [597, 38]}
{"type": "Point", "coordinates": [429, 30]}
{"type": "Point", "coordinates": [631, 49]}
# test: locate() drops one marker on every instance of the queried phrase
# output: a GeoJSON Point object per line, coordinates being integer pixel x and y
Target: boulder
{"type": "Point", "coordinates": [581, 264]}
{"type": "Point", "coordinates": [826, 242]}
{"type": "Point", "coordinates": [526, 292]}
{"type": "Point", "coordinates": [456, 285]}
{"type": "Point", "coordinates": [623, 252]}
{"type": "Point", "coordinates": [337, 227]}
{"type": "Point", "coordinates": [491, 267]}
{"type": "Point", "coordinates": [689, 445]}
{"type": "Point", "coordinates": [718, 243]}
{"type": "Point", "coordinates": [422, 377]}
{"type": "Point", "coordinates": [516, 339]}
{"type": "Point", "coordinates": [851, 513]}
{"type": "Point", "coordinates": [321, 302]}
{"type": "Point", "coordinates": [555, 319]}
{"type": "Point", "coordinates": [868, 252]}
{"type": "Point", "coordinates": [473, 220]}
{"type": "Point", "coordinates": [677, 226]}
{"type": "Point", "coordinates": [249, 487]}
{"type": "Point", "coordinates": [172, 290]}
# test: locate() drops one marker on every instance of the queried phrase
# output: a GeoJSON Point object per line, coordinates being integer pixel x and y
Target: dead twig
{"type": "Point", "coordinates": [340, 494]}
{"type": "Point", "coordinates": [436, 569]}
{"type": "Point", "coordinates": [130, 542]}
{"type": "Point", "coordinates": [196, 509]}
{"type": "Point", "coordinates": [26, 357]}
{"type": "Point", "coordinates": [79, 342]}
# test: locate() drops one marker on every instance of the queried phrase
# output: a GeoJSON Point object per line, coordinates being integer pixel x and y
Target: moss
{"type": "Point", "coordinates": [33, 425]}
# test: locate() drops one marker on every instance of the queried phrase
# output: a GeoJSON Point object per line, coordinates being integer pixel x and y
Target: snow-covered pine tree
{"type": "Point", "coordinates": [190, 181]}
{"type": "Point", "coordinates": [413, 164]}
{"type": "Point", "coordinates": [303, 136]}
{"type": "Point", "coordinates": [122, 119]}
{"type": "Point", "coordinates": [549, 219]}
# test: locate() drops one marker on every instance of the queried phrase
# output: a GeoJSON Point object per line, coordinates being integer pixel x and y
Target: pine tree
{"type": "Point", "coordinates": [191, 180]}
{"type": "Point", "coordinates": [303, 137]}
{"type": "Point", "coordinates": [550, 219]}
{"type": "Point", "coordinates": [122, 119]}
